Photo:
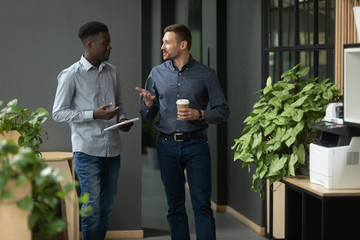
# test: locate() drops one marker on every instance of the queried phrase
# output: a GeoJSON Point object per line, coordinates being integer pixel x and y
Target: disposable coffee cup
{"type": "Point", "coordinates": [182, 103]}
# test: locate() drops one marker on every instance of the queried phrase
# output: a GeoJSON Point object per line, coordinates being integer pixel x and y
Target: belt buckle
{"type": "Point", "coordinates": [176, 135]}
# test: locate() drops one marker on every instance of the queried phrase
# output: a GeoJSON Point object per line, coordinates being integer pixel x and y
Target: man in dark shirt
{"type": "Point", "coordinates": [182, 142]}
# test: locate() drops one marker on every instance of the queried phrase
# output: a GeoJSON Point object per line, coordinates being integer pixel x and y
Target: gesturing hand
{"type": "Point", "coordinates": [148, 98]}
{"type": "Point", "coordinates": [103, 113]}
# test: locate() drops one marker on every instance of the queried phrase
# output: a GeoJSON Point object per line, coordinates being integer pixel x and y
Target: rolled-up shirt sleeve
{"type": "Point", "coordinates": [149, 113]}
{"type": "Point", "coordinates": [219, 110]}
{"type": "Point", "coordinates": [62, 109]}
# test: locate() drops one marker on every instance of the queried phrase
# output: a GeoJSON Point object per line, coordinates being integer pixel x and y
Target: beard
{"type": "Point", "coordinates": [106, 56]}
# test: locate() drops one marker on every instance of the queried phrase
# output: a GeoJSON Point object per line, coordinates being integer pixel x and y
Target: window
{"type": "Point", "coordinates": [298, 31]}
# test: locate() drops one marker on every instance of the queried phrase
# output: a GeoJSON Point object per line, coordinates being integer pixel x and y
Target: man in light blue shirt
{"type": "Point", "coordinates": [88, 97]}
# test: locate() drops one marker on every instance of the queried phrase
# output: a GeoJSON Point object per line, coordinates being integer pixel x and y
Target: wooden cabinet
{"type": "Point", "coordinates": [63, 162]}
{"type": "Point", "coordinates": [313, 212]}
{"type": "Point", "coordinates": [275, 200]}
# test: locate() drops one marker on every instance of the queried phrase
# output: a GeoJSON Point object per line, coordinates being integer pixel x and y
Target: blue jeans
{"type": "Point", "coordinates": [98, 176]}
{"type": "Point", "coordinates": [194, 156]}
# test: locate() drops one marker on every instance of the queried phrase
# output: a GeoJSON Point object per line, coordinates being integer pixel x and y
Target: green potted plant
{"type": "Point", "coordinates": [278, 131]}
{"type": "Point", "coordinates": [28, 167]}
{"type": "Point", "coordinates": [27, 124]}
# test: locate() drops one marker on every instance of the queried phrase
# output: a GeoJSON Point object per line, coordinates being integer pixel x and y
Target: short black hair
{"type": "Point", "coordinates": [91, 29]}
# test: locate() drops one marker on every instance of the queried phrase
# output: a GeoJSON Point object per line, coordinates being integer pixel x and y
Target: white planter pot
{"type": "Point", "coordinates": [13, 220]}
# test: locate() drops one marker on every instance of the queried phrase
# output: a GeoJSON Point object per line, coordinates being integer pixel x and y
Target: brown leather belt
{"type": "Point", "coordinates": [180, 137]}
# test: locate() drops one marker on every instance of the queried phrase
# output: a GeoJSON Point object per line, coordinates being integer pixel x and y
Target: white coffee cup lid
{"type": "Point", "coordinates": [182, 101]}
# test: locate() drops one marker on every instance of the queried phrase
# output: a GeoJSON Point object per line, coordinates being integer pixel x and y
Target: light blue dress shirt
{"type": "Point", "coordinates": [81, 89]}
{"type": "Point", "coordinates": [195, 82]}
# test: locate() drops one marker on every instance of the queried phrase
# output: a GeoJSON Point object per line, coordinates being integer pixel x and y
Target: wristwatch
{"type": "Point", "coordinates": [200, 118]}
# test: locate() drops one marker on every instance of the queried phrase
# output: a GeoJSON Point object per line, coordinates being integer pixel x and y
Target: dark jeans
{"type": "Point", "coordinates": [194, 156]}
{"type": "Point", "coordinates": [98, 176]}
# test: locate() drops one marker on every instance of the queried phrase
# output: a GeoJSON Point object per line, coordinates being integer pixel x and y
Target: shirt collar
{"type": "Point", "coordinates": [87, 65]}
{"type": "Point", "coordinates": [186, 66]}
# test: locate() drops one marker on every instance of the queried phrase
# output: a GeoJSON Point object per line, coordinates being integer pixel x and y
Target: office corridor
{"type": "Point", "coordinates": [154, 209]}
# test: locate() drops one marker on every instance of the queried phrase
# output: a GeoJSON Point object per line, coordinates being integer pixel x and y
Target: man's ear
{"type": "Point", "coordinates": [88, 44]}
{"type": "Point", "coordinates": [183, 44]}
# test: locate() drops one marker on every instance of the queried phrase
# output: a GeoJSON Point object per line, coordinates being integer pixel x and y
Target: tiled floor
{"type": "Point", "coordinates": [154, 210]}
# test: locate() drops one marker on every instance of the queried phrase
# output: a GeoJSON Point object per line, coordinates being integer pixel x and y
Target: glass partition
{"type": "Point", "coordinates": [288, 23]}
{"type": "Point", "coordinates": [326, 22]}
{"type": "Point", "coordinates": [273, 23]}
{"type": "Point", "coordinates": [326, 64]}
{"type": "Point", "coordinates": [274, 66]}
{"type": "Point", "coordinates": [307, 60]}
{"type": "Point", "coordinates": [288, 60]}
{"type": "Point", "coordinates": [298, 31]}
{"type": "Point", "coordinates": [306, 22]}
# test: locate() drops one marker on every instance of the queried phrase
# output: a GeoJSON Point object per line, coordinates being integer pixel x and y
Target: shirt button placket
{"type": "Point", "coordinates": [178, 85]}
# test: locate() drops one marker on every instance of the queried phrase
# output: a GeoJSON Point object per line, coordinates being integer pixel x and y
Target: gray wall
{"type": "Point", "coordinates": [209, 42]}
{"type": "Point", "coordinates": [156, 34]}
{"type": "Point", "coordinates": [39, 39]}
{"type": "Point", "coordinates": [244, 79]}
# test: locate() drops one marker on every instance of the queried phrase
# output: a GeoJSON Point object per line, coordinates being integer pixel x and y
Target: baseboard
{"type": "Point", "coordinates": [259, 230]}
{"type": "Point", "coordinates": [218, 208]}
{"type": "Point", "coordinates": [123, 234]}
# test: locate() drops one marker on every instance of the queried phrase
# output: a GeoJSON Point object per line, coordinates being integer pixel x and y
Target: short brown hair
{"type": "Point", "coordinates": [182, 33]}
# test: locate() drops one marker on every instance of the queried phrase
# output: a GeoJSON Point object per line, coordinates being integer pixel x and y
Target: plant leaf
{"type": "Point", "coordinates": [303, 72]}
{"type": "Point", "coordinates": [269, 129]}
{"type": "Point", "coordinates": [299, 127]}
{"type": "Point", "coordinates": [290, 141]}
{"type": "Point", "coordinates": [257, 140]}
{"type": "Point", "coordinates": [280, 121]}
{"type": "Point", "coordinates": [20, 179]}
{"type": "Point", "coordinates": [292, 162]}
{"type": "Point", "coordinates": [276, 165]}
{"type": "Point", "coordinates": [301, 154]}
{"type": "Point", "coordinates": [26, 204]}
{"type": "Point", "coordinates": [297, 115]}
{"type": "Point", "coordinates": [299, 102]}
{"type": "Point", "coordinates": [308, 87]}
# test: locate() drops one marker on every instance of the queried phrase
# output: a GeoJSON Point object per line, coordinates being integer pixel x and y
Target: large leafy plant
{"type": "Point", "coordinates": [277, 134]}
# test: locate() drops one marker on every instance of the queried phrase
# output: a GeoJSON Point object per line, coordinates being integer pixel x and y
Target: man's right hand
{"type": "Point", "coordinates": [103, 113]}
{"type": "Point", "coordinates": [148, 98]}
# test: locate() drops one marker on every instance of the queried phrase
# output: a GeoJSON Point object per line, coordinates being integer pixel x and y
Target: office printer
{"type": "Point", "coordinates": [334, 157]}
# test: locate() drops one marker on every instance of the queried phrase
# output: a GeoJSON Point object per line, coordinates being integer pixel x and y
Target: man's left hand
{"type": "Point", "coordinates": [125, 127]}
{"type": "Point", "coordinates": [187, 114]}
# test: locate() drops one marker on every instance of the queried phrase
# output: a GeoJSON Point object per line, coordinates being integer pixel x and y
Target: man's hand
{"type": "Point", "coordinates": [125, 127]}
{"type": "Point", "coordinates": [148, 98]}
{"type": "Point", "coordinates": [103, 113]}
{"type": "Point", "coordinates": [189, 114]}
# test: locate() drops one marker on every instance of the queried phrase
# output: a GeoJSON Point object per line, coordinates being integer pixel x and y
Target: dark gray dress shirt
{"type": "Point", "coordinates": [195, 82]}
